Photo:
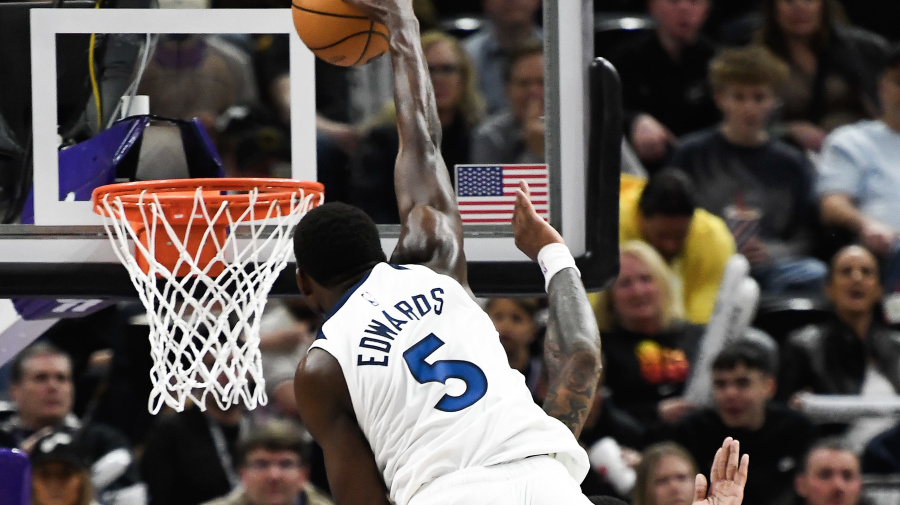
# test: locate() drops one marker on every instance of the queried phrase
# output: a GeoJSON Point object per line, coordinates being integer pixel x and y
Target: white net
{"type": "Point", "coordinates": [204, 328]}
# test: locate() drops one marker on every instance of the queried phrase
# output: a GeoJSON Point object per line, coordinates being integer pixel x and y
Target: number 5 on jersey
{"type": "Point", "coordinates": [440, 371]}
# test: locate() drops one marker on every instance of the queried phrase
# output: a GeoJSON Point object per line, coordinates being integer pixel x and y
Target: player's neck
{"type": "Point", "coordinates": [892, 121]}
{"type": "Point", "coordinates": [328, 298]}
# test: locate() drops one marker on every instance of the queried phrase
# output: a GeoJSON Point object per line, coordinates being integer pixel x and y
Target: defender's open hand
{"type": "Point", "coordinates": [530, 230]}
{"type": "Point", "coordinates": [727, 477]}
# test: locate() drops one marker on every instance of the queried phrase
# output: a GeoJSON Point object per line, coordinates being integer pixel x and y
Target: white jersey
{"type": "Point", "coordinates": [431, 386]}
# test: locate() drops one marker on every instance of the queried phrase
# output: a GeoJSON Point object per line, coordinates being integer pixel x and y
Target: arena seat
{"type": "Point", "coordinates": [780, 315]}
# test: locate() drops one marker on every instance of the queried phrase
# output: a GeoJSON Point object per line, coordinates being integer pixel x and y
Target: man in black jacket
{"type": "Point", "coordinates": [776, 438]}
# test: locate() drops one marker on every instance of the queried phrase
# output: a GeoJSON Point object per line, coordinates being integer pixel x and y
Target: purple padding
{"type": "Point", "coordinates": [92, 163]}
{"type": "Point", "coordinates": [98, 161]}
{"type": "Point", "coordinates": [207, 148]}
{"type": "Point", "coordinates": [51, 308]}
{"type": "Point", "coordinates": [15, 477]}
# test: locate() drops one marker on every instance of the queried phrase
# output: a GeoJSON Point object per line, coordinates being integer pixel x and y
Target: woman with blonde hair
{"type": "Point", "coordinates": [648, 347]}
{"type": "Point", "coordinates": [460, 108]}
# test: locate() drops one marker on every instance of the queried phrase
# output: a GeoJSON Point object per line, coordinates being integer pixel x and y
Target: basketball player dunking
{"type": "Point", "coordinates": [407, 388]}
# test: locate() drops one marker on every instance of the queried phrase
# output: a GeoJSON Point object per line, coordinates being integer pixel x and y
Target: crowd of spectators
{"type": "Point", "coordinates": [765, 128]}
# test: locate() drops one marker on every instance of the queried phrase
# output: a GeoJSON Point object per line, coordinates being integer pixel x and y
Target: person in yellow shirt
{"type": "Point", "coordinates": [696, 244]}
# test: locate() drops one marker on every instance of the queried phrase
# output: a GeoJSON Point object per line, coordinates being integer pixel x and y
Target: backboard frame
{"type": "Point", "coordinates": [62, 256]}
{"type": "Point", "coordinates": [46, 24]}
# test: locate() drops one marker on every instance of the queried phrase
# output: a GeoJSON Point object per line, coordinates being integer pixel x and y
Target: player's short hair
{"type": "Point", "coordinates": [747, 65]}
{"type": "Point", "coordinates": [336, 242]}
{"type": "Point", "coordinates": [670, 192]}
{"type": "Point", "coordinates": [530, 48]}
{"type": "Point", "coordinates": [17, 367]}
{"type": "Point", "coordinates": [274, 436]}
{"type": "Point", "coordinates": [748, 353]}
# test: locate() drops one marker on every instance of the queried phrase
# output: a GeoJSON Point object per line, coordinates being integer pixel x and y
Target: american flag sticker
{"type": "Point", "coordinates": [486, 193]}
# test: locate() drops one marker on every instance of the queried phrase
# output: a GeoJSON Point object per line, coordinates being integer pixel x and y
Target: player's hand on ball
{"type": "Point", "coordinates": [529, 229]}
{"type": "Point", "coordinates": [381, 11]}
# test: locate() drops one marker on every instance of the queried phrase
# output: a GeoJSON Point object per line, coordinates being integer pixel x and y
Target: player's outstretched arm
{"type": "Point", "coordinates": [572, 344]}
{"type": "Point", "coordinates": [431, 228]}
{"type": "Point", "coordinates": [727, 477]}
{"type": "Point", "coordinates": [327, 412]}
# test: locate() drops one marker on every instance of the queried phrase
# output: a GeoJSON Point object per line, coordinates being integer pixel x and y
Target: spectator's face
{"type": "Point", "coordinates": [798, 18]}
{"type": "Point", "coordinates": [44, 395]}
{"type": "Point", "coordinates": [673, 481]}
{"type": "Point", "coordinates": [666, 233]}
{"type": "Point", "coordinates": [637, 295]}
{"type": "Point", "coordinates": [746, 107]}
{"type": "Point", "coordinates": [512, 12]}
{"type": "Point", "coordinates": [526, 87]}
{"type": "Point", "coordinates": [831, 478]}
{"type": "Point", "coordinates": [446, 72]}
{"type": "Point", "coordinates": [854, 287]}
{"type": "Point", "coordinates": [57, 483]}
{"type": "Point", "coordinates": [273, 477]}
{"type": "Point", "coordinates": [741, 395]}
{"type": "Point", "coordinates": [515, 326]}
{"type": "Point", "coordinates": [679, 19]}
{"type": "Point", "coordinates": [889, 92]}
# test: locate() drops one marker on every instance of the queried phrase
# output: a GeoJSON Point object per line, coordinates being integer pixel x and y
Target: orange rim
{"type": "Point", "coordinates": [176, 196]}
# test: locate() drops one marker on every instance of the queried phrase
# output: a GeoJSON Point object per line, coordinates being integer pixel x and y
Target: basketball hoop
{"type": "Point", "coordinates": [206, 253]}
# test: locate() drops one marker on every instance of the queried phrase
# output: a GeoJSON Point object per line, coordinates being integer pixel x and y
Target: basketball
{"type": "Point", "coordinates": [338, 33]}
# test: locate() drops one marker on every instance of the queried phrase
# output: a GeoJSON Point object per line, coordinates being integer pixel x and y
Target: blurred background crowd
{"type": "Point", "coordinates": [768, 129]}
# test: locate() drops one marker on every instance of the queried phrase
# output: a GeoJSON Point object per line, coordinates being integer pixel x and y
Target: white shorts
{"type": "Point", "coordinates": [539, 480]}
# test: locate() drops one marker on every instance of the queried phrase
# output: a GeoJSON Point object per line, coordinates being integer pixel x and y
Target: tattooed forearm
{"type": "Point", "coordinates": [572, 352]}
{"type": "Point", "coordinates": [571, 395]}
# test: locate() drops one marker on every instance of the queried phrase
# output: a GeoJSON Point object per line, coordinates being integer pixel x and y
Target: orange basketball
{"type": "Point", "coordinates": [338, 33]}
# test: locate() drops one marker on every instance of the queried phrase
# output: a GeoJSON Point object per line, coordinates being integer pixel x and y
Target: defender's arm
{"type": "Point", "coordinates": [327, 412]}
{"type": "Point", "coordinates": [571, 351]}
{"type": "Point", "coordinates": [572, 344]}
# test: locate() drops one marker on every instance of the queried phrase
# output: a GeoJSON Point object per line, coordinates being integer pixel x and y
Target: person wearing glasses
{"type": "Point", "coordinates": [516, 133]}
{"type": "Point", "coordinates": [460, 108]}
{"type": "Point", "coordinates": [273, 469]}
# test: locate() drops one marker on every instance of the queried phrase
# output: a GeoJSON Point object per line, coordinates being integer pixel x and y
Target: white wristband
{"type": "Point", "coordinates": [552, 258]}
